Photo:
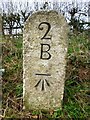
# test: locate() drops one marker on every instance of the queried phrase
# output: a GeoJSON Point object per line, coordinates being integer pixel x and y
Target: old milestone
{"type": "Point", "coordinates": [44, 60]}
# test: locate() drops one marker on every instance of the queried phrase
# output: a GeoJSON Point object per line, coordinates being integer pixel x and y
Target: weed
{"type": "Point", "coordinates": [76, 104]}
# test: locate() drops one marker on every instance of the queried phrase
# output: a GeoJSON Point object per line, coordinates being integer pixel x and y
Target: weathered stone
{"type": "Point", "coordinates": [44, 60]}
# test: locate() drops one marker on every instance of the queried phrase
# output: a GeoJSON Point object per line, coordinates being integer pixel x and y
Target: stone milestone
{"type": "Point", "coordinates": [44, 60]}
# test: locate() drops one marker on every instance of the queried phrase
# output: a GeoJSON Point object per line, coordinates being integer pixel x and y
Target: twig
{"type": "Point", "coordinates": [6, 108]}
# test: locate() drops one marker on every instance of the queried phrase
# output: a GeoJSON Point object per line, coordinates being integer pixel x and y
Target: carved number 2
{"type": "Point", "coordinates": [41, 28]}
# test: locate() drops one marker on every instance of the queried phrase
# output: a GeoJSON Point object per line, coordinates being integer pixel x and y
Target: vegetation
{"type": "Point", "coordinates": [76, 104]}
{"type": "Point", "coordinates": [14, 15]}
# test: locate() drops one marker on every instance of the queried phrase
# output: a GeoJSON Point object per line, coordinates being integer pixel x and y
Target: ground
{"type": "Point", "coordinates": [76, 104]}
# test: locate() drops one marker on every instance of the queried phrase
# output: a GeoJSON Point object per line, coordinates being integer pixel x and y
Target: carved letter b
{"type": "Point", "coordinates": [45, 52]}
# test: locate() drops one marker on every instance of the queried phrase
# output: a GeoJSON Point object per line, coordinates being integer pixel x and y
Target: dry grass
{"type": "Point", "coordinates": [77, 93]}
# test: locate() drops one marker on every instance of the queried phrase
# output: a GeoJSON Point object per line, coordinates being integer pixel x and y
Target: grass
{"type": "Point", "coordinates": [76, 104]}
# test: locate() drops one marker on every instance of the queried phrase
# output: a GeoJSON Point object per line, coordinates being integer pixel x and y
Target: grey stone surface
{"type": "Point", "coordinates": [44, 60]}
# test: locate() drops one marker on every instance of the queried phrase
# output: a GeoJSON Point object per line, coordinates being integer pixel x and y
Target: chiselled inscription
{"type": "Point", "coordinates": [41, 28]}
{"type": "Point", "coordinates": [42, 81]}
{"type": "Point", "coordinates": [43, 85]}
{"type": "Point", "coordinates": [43, 74]}
{"type": "Point", "coordinates": [44, 52]}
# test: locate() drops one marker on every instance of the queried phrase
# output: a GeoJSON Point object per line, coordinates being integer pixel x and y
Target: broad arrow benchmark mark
{"type": "Point", "coordinates": [43, 82]}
